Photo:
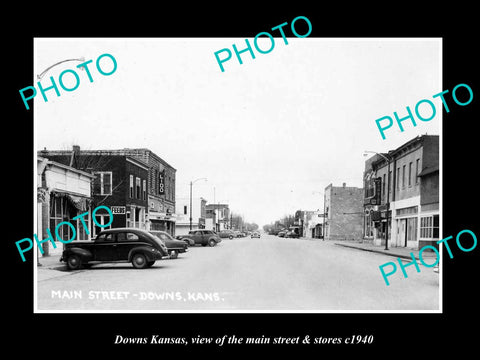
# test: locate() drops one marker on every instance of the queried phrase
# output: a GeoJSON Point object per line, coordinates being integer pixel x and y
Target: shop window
{"type": "Point", "coordinates": [429, 227]}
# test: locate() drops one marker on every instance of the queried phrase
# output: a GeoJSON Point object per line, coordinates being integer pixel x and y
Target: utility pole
{"type": "Point", "coordinates": [191, 185]}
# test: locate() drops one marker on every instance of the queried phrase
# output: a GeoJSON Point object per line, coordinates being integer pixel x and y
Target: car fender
{"type": "Point", "coordinates": [190, 240]}
{"type": "Point", "coordinates": [85, 255]}
{"type": "Point", "coordinates": [145, 250]}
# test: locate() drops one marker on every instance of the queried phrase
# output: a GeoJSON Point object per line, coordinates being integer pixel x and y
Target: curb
{"type": "Point", "coordinates": [58, 267]}
{"type": "Point", "coordinates": [378, 251]}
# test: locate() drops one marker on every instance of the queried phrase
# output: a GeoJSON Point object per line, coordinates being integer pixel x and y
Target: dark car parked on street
{"type": "Point", "coordinates": [202, 237]}
{"type": "Point", "coordinates": [133, 245]}
{"type": "Point", "coordinates": [227, 234]}
{"type": "Point", "coordinates": [174, 247]}
{"type": "Point", "coordinates": [187, 241]}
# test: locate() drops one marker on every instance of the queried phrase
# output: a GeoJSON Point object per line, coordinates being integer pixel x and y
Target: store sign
{"type": "Point", "coordinates": [161, 183]}
{"type": "Point", "coordinates": [117, 210]}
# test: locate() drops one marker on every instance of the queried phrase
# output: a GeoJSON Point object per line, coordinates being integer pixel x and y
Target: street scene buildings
{"type": "Point", "coordinates": [401, 199]}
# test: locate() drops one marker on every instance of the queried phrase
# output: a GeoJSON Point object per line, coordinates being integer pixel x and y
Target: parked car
{"type": "Point", "coordinates": [186, 240]}
{"type": "Point", "coordinates": [133, 245]}
{"type": "Point", "coordinates": [293, 232]}
{"type": "Point", "coordinates": [174, 247]}
{"type": "Point", "coordinates": [255, 234]}
{"type": "Point", "coordinates": [203, 237]}
{"type": "Point", "coordinates": [226, 234]}
{"type": "Point", "coordinates": [281, 233]}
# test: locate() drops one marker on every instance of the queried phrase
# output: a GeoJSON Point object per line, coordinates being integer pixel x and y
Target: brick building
{"type": "Point", "coordinates": [343, 212]}
{"type": "Point", "coordinates": [161, 189]}
{"type": "Point", "coordinates": [408, 215]}
{"type": "Point", "coordinates": [120, 183]}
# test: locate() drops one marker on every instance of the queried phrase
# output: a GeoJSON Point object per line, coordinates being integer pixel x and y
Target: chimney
{"type": "Point", "coordinates": [75, 153]}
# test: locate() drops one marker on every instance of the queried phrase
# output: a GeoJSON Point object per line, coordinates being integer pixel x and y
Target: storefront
{"type": "Point", "coordinates": [63, 193]}
{"type": "Point", "coordinates": [406, 231]}
{"type": "Point", "coordinates": [162, 222]}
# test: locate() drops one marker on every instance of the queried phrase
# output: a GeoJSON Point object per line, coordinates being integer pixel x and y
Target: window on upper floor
{"type": "Point", "coordinates": [417, 171]}
{"type": "Point", "coordinates": [410, 173]}
{"type": "Point", "coordinates": [138, 188]}
{"type": "Point", "coordinates": [131, 186]}
{"type": "Point", "coordinates": [102, 185]}
{"type": "Point", "coordinates": [144, 189]}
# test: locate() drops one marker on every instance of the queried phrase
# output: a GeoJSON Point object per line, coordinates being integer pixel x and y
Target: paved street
{"type": "Point", "coordinates": [269, 273]}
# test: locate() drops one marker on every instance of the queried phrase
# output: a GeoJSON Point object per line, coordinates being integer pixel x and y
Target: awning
{"type": "Point", "coordinates": [79, 202]}
{"type": "Point", "coordinates": [160, 216]}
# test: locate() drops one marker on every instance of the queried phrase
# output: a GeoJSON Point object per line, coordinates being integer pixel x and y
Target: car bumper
{"type": "Point", "coordinates": [159, 256]}
{"type": "Point", "coordinates": [179, 250]}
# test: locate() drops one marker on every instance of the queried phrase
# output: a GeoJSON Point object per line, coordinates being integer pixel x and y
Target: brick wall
{"type": "Point", "coordinates": [345, 220]}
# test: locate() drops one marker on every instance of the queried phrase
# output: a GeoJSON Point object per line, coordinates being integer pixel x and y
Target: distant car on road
{"type": "Point", "coordinates": [255, 234]}
{"type": "Point", "coordinates": [202, 237]}
{"type": "Point", "coordinates": [227, 234]}
{"type": "Point", "coordinates": [281, 233]}
{"type": "Point", "coordinates": [133, 245]}
{"type": "Point", "coordinates": [174, 247]}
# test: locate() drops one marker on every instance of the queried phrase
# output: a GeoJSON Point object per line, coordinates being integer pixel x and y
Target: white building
{"type": "Point", "coordinates": [313, 224]}
{"type": "Point", "coordinates": [198, 214]}
{"type": "Point", "coordinates": [63, 192]}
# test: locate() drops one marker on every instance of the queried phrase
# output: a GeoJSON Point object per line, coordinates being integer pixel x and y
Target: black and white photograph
{"type": "Point", "coordinates": [236, 181]}
{"type": "Point", "coordinates": [268, 186]}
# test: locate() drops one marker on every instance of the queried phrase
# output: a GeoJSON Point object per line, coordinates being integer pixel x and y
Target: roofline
{"type": "Point", "coordinates": [51, 162]}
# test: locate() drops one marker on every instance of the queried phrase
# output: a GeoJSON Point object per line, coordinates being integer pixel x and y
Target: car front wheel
{"type": "Point", "coordinates": [212, 242]}
{"type": "Point", "coordinates": [173, 254]}
{"type": "Point", "coordinates": [139, 261]}
{"type": "Point", "coordinates": [74, 262]}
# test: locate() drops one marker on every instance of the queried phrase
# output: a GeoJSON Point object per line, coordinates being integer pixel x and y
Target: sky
{"type": "Point", "coordinates": [269, 135]}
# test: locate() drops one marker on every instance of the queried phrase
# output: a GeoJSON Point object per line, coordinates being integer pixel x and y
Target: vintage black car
{"type": "Point", "coordinates": [174, 247]}
{"type": "Point", "coordinates": [133, 245]}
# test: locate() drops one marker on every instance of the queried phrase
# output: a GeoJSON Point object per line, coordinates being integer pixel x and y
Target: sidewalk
{"type": "Point", "coordinates": [51, 262]}
{"type": "Point", "coordinates": [401, 252]}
